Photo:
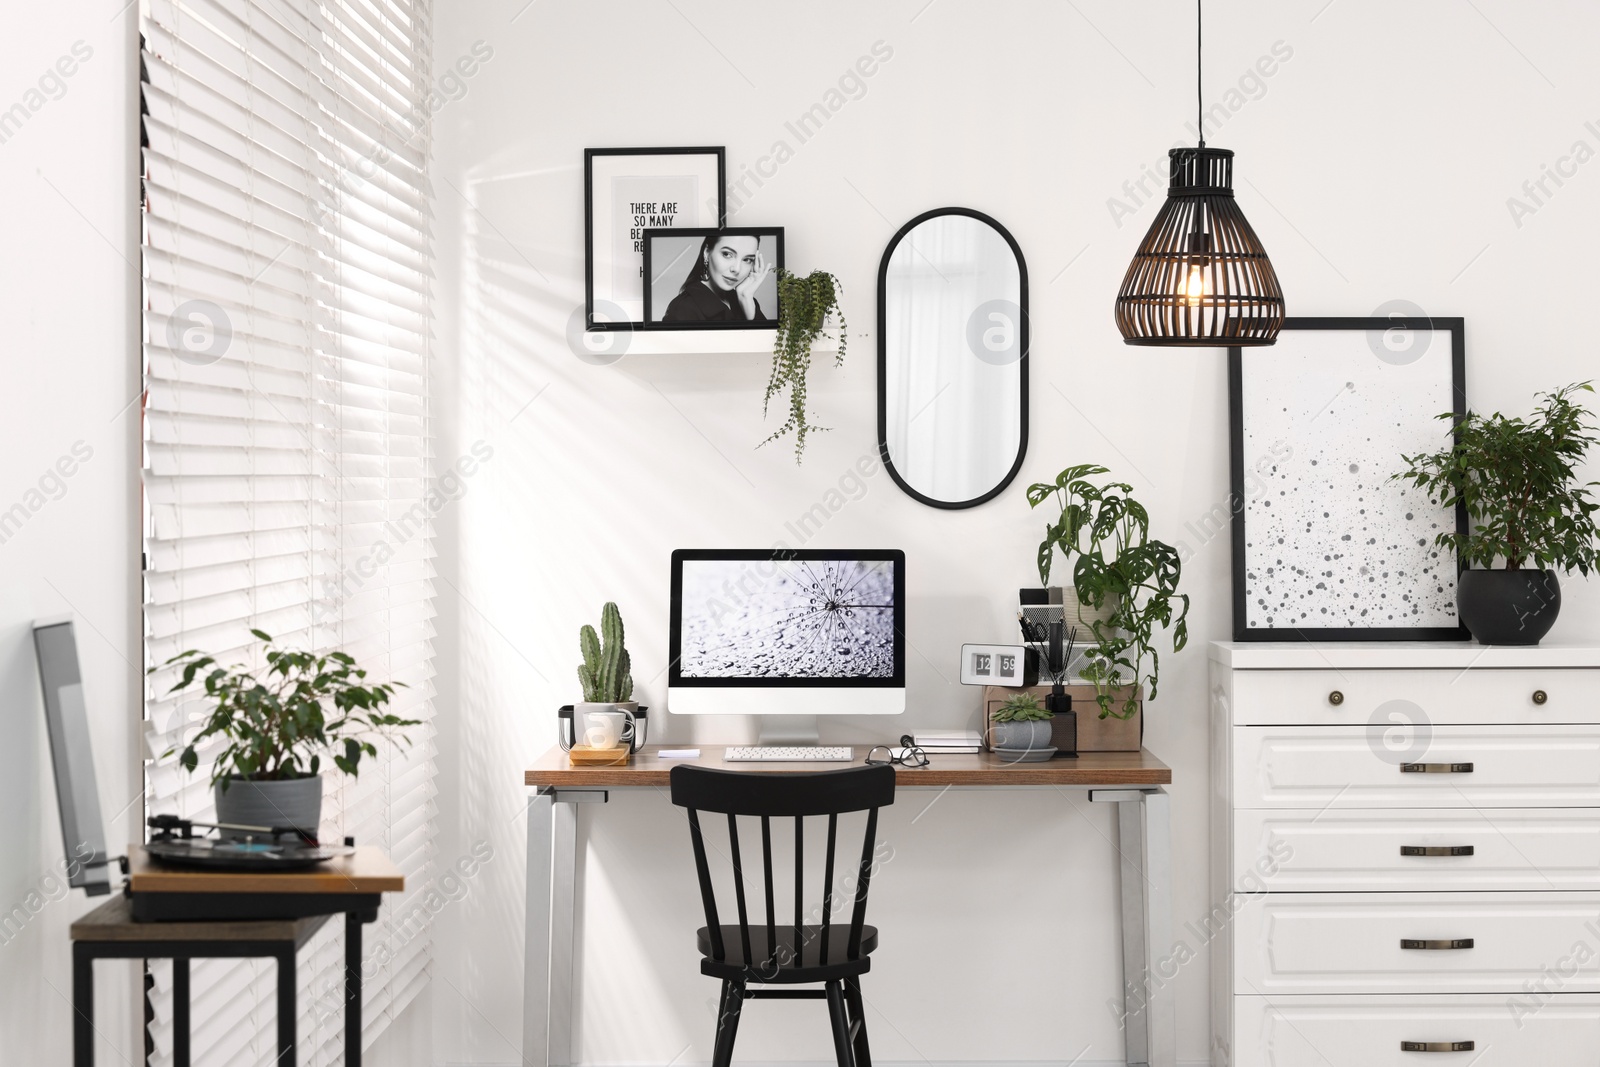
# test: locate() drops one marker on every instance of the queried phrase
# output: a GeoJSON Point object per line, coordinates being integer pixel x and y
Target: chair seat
{"type": "Point", "coordinates": [780, 962]}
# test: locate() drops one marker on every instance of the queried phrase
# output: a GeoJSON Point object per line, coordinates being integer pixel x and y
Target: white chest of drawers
{"type": "Point", "coordinates": [1405, 855]}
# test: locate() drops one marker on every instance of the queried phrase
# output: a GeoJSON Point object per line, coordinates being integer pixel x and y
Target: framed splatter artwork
{"type": "Point", "coordinates": [1326, 545]}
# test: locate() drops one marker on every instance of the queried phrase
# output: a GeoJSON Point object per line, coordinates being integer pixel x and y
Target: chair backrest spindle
{"type": "Point", "coordinates": [738, 884]}
{"type": "Point", "coordinates": [799, 888]}
{"type": "Point", "coordinates": [766, 870]}
{"type": "Point", "coordinates": [859, 916]}
{"type": "Point", "coordinates": [827, 884]}
{"type": "Point", "coordinates": [708, 895]}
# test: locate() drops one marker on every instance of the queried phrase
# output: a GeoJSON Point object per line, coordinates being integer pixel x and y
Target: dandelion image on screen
{"type": "Point", "coordinates": [788, 619]}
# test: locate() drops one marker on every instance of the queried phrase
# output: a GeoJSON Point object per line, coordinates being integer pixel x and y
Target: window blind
{"type": "Point", "coordinates": [287, 242]}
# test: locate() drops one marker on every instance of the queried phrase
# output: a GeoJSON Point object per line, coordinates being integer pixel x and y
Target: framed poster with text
{"type": "Point", "coordinates": [625, 192]}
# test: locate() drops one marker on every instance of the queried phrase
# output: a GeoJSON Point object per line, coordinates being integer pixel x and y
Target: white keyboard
{"type": "Point", "coordinates": [788, 754]}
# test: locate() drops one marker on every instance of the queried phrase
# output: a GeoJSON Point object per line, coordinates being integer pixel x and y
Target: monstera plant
{"type": "Point", "coordinates": [1105, 534]}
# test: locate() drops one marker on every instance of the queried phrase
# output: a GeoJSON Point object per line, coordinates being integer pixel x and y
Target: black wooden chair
{"type": "Point", "coordinates": [767, 954]}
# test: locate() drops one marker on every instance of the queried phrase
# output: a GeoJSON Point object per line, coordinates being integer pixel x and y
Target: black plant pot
{"type": "Point", "coordinates": [1508, 607]}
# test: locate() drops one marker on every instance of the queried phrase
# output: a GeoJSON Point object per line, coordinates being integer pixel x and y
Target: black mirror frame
{"type": "Point", "coordinates": [883, 356]}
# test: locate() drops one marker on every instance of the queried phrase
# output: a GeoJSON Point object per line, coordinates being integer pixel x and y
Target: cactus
{"type": "Point", "coordinates": [605, 671]}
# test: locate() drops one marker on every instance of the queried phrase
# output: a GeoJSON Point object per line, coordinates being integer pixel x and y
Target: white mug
{"type": "Point", "coordinates": [606, 725]}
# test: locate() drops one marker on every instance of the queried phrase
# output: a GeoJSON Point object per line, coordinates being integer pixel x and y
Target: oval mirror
{"type": "Point", "coordinates": [952, 358]}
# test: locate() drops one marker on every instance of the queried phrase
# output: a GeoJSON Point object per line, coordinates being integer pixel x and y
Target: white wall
{"type": "Point", "coordinates": [69, 301]}
{"type": "Point", "coordinates": [1375, 161]}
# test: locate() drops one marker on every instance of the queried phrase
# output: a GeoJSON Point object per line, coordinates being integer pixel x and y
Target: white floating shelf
{"type": "Point", "coordinates": [712, 342]}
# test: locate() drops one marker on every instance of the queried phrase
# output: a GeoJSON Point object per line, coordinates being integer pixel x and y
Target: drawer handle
{"type": "Point", "coordinates": [1438, 1046]}
{"type": "Point", "coordinates": [1436, 768]}
{"type": "Point", "coordinates": [1336, 698]}
{"type": "Point", "coordinates": [1439, 945]}
{"type": "Point", "coordinates": [1540, 696]}
{"type": "Point", "coordinates": [1436, 850]}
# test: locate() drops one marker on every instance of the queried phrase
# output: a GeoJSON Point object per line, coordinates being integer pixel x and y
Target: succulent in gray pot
{"type": "Point", "coordinates": [1529, 513]}
{"type": "Point", "coordinates": [1020, 728]}
{"type": "Point", "coordinates": [274, 727]}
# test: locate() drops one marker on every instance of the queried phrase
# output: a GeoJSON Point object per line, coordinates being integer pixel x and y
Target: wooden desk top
{"type": "Point", "coordinates": [368, 871]}
{"type": "Point", "coordinates": [1108, 769]}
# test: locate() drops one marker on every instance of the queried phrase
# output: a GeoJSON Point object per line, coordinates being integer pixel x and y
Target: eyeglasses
{"type": "Point", "coordinates": [907, 755]}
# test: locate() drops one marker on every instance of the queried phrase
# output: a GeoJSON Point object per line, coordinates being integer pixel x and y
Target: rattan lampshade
{"type": "Point", "coordinates": [1200, 277]}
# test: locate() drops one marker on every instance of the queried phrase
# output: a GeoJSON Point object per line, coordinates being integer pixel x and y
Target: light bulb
{"type": "Point", "coordinates": [1195, 286]}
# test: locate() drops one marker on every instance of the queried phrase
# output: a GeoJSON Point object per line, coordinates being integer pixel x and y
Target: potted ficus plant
{"type": "Point", "coordinates": [275, 725]}
{"type": "Point", "coordinates": [1127, 577]}
{"type": "Point", "coordinates": [1530, 515]}
{"type": "Point", "coordinates": [804, 306]}
{"type": "Point", "coordinates": [1020, 727]}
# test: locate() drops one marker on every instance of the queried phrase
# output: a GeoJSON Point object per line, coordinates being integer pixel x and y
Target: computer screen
{"type": "Point", "coordinates": [790, 619]}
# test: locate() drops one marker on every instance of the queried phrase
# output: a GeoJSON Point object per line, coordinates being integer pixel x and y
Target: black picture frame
{"type": "Point", "coordinates": [702, 232]}
{"type": "Point", "coordinates": [1237, 504]}
{"type": "Point", "coordinates": [883, 360]}
{"type": "Point", "coordinates": [589, 156]}
{"type": "Point", "coordinates": [894, 556]}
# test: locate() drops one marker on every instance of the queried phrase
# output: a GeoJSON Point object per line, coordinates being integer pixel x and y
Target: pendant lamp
{"type": "Point", "coordinates": [1200, 277]}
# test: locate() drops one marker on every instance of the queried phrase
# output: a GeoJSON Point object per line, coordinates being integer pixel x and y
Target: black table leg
{"type": "Point", "coordinates": [82, 1006]}
{"type": "Point", "coordinates": [287, 1007]}
{"type": "Point", "coordinates": [352, 988]}
{"type": "Point", "coordinates": [180, 1012]}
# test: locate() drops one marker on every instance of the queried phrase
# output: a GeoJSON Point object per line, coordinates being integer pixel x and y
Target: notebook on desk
{"type": "Point", "coordinates": [934, 742]}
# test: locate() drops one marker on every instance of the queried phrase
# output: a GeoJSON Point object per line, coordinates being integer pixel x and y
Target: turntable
{"type": "Point", "coordinates": [255, 849]}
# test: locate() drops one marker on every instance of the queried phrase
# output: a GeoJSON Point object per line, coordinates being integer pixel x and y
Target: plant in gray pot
{"type": "Point", "coordinates": [1516, 479]}
{"type": "Point", "coordinates": [1021, 729]}
{"type": "Point", "coordinates": [274, 728]}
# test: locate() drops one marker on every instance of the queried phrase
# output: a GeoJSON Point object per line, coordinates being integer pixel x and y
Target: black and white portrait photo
{"type": "Point", "coordinates": [711, 278]}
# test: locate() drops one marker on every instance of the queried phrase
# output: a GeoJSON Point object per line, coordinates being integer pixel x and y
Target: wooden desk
{"type": "Point", "coordinates": [1102, 769]}
{"type": "Point", "coordinates": [1131, 780]}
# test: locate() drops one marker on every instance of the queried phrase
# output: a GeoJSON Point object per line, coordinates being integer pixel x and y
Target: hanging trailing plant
{"type": "Point", "coordinates": [804, 307]}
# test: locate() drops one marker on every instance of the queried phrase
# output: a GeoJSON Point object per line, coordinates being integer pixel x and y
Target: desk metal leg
{"type": "Point", "coordinates": [352, 986]}
{"type": "Point", "coordinates": [82, 1006]}
{"type": "Point", "coordinates": [352, 989]}
{"type": "Point", "coordinates": [180, 1012]}
{"type": "Point", "coordinates": [552, 874]}
{"type": "Point", "coordinates": [1144, 843]}
{"type": "Point", "coordinates": [288, 1009]}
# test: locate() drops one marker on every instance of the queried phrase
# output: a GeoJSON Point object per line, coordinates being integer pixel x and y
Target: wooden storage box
{"type": "Point", "coordinates": [1094, 733]}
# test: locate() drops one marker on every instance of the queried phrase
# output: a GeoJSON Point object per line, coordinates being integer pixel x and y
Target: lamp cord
{"type": "Point", "coordinates": [1199, 60]}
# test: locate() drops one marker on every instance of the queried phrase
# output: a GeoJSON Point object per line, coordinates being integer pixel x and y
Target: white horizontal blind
{"type": "Point", "coordinates": [286, 262]}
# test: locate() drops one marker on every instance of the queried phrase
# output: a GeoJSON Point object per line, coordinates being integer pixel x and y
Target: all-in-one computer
{"type": "Point", "coordinates": [787, 634]}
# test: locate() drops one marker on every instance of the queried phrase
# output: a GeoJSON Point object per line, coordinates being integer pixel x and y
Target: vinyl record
{"type": "Point", "coordinates": [230, 855]}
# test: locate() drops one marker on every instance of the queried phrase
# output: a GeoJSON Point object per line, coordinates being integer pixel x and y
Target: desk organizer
{"type": "Point", "coordinates": [1094, 733]}
{"type": "Point", "coordinates": [567, 734]}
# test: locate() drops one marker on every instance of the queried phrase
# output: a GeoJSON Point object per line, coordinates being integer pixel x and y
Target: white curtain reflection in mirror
{"type": "Point", "coordinates": [952, 375]}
